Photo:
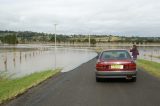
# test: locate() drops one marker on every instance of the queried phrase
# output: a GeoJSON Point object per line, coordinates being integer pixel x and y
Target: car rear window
{"type": "Point", "coordinates": [115, 55]}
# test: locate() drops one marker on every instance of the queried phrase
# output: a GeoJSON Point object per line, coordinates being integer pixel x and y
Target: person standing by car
{"type": "Point", "coordinates": [135, 52]}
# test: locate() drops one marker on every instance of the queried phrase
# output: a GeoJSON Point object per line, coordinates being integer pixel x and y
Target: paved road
{"type": "Point", "coordinates": [79, 88]}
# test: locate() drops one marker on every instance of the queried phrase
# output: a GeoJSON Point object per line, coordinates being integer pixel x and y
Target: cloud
{"type": "Point", "coordinates": [121, 17]}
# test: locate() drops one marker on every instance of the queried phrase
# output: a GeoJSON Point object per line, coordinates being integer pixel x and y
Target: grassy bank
{"type": "Point", "coordinates": [10, 88]}
{"type": "Point", "coordinates": [150, 66]}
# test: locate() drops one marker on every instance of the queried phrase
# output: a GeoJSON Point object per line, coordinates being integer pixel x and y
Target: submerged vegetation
{"type": "Point", "coordinates": [10, 88]}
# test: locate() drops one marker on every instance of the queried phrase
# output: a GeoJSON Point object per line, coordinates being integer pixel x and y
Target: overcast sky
{"type": "Point", "coordinates": [120, 17]}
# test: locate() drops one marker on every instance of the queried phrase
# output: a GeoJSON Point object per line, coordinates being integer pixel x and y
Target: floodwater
{"type": "Point", "coordinates": [150, 53]}
{"type": "Point", "coordinates": [23, 61]}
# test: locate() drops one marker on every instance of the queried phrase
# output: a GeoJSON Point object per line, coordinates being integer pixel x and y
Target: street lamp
{"type": "Point", "coordinates": [55, 45]}
{"type": "Point", "coordinates": [89, 40]}
{"type": "Point", "coordinates": [55, 36]}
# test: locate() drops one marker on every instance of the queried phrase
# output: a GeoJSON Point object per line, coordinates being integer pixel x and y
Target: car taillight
{"type": "Point", "coordinates": [100, 66]}
{"type": "Point", "coordinates": [132, 66]}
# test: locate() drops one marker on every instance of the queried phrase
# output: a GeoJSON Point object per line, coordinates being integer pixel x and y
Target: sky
{"type": "Point", "coordinates": [116, 17]}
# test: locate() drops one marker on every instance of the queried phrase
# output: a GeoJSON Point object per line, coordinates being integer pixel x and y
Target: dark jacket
{"type": "Point", "coordinates": [135, 52]}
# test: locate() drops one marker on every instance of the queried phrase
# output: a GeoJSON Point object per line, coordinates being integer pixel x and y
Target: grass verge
{"type": "Point", "coordinates": [150, 66]}
{"type": "Point", "coordinates": [10, 88]}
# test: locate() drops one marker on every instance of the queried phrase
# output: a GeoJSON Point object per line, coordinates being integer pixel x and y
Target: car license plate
{"type": "Point", "coordinates": [116, 66]}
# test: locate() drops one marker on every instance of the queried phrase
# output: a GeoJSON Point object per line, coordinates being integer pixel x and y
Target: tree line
{"type": "Point", "coordinates": [13, 37]}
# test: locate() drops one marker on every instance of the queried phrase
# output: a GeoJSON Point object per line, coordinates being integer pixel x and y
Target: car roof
{"type": "Point", "coordinates": [115, 50]}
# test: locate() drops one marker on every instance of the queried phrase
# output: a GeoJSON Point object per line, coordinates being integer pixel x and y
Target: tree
{"type": "Point", "coordinates": [93, 41]}
{"type": "Point", "coordinates": [109, 38]}
{"type": "Point", "coordinates": [78, 40]}
{"type": "Point", "coordinates": [86, 40]}
{"type": "Point", "coordinates": [10, 39]}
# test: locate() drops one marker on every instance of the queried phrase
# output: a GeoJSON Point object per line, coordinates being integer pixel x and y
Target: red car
{"type": "Point", "coordinates": [115, 64]}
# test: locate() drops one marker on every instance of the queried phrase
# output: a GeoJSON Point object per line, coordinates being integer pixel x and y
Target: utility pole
{"type": "Point", "coordinates": [55, 36]}
{"type": "Point", "coordinates": [55, 46]}
{"type": "Point", "coordinates": [89, 40]}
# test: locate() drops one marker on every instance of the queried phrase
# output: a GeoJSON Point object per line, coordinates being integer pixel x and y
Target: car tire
{"type": "Point", "coordinates": [98, 79]}
{"type": "Point", "coordinates": [134, 79]}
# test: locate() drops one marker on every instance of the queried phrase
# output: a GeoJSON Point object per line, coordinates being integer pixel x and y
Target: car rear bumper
{"type": "Point", "coordinates": [115, 74]}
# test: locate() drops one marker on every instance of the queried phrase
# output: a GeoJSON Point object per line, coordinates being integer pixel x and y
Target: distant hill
{"type": "Point", "coordinates": [33, 37]}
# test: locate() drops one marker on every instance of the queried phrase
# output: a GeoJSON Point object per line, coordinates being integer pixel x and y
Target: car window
{"type": "Point", "coordinates": [115, 54]}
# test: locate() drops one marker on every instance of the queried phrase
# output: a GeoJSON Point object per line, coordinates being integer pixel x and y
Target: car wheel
{"type": "Point", "coordinates": [98, 79]}
{"type": "Point", "coordinates": [134, 79]}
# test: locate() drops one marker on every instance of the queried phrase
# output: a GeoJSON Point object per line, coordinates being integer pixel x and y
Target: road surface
{"type": "Point", "coordinates": [79, 88]}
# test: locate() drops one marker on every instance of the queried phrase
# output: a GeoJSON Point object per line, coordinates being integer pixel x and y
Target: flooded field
{"type": "Point", "coordinates": [151, 53]}
{"type": "Point", "coordinates": [25, 59]}
{"type": "Point", "coordinates": [20, 60]}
